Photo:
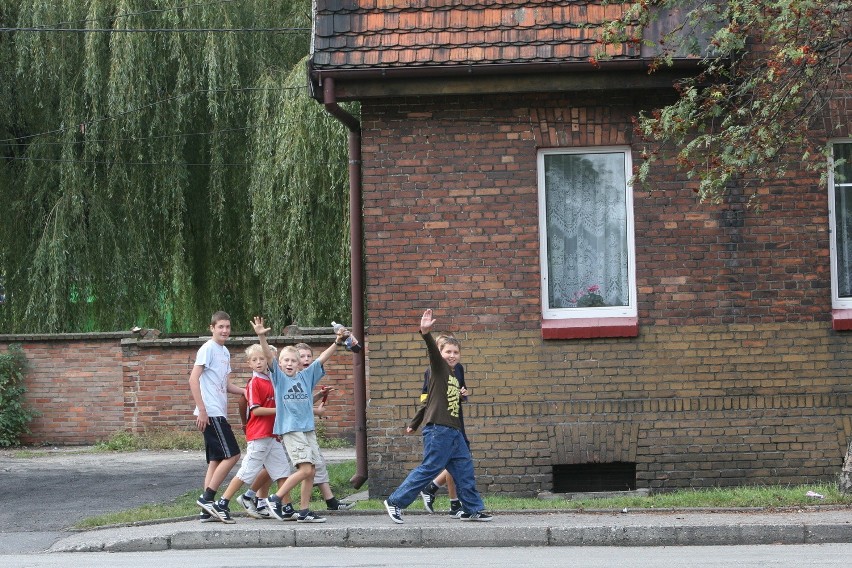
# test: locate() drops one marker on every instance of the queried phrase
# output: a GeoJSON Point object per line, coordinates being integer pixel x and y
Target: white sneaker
{"type": "Point", "coordinates": [250, 506]}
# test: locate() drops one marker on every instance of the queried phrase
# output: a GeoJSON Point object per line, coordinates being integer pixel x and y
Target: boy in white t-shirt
{"type": "Point", "coordinates": [210, 386]}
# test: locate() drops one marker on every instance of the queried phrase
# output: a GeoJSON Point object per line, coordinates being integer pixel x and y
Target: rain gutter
{"type": "Point", "coordinates": [359, 375]}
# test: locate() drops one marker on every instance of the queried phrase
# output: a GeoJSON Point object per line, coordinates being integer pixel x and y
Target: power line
{"type": "Point", "coordinates": [122, 163]}
{"type": "Point", "coordinates": [85, 123]}
{"type": "Point", "coordinates": [56, 27]}
{"type": "Point", "coordinates": [158, 30]}
{"type": "Point", "coordinates": [151, 11]}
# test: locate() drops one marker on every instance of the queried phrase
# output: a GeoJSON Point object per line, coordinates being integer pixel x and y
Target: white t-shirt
{"type": "Point", "coordinates": [214, 378]}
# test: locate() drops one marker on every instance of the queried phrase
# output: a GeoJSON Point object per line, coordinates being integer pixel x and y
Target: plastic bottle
{"type": "Point", "coordinates": [355, 348]}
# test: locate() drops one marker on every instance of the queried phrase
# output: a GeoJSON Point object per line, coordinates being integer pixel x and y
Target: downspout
{"type": "Point", "coordinates": [359, 374]}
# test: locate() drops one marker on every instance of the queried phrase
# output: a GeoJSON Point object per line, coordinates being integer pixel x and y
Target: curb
{"type": "Point", "coordinates": [353, 531]}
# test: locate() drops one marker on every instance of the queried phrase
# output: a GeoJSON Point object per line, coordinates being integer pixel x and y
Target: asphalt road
{"type": "Point", "coordinates": [45, 495]}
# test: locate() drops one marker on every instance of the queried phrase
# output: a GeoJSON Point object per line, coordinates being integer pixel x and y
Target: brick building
{"type": "Point", "coordinates": [613, 337]}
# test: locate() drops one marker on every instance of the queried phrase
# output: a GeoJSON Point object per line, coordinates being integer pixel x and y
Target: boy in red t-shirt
{"type": "Point", "coordinates": [264, 449]}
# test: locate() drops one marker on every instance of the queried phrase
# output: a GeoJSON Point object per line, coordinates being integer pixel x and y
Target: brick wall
{"type": "Point", "coordinates": [735, 377]}
{"type": "Point", "coordinates": [87, 387]}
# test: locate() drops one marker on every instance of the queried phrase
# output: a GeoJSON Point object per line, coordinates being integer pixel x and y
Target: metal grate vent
{"type": "Point", "coordinates": [591, 477]}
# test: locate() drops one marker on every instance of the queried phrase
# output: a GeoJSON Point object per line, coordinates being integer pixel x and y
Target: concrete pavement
{"type": "Point", "coordinates": [89, 484]}
{"type": "Point", "coordinates": [375, 529]}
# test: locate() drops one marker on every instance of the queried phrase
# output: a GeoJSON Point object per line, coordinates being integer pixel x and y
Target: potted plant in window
{"type": "Point", "coordinates": [589, 297]}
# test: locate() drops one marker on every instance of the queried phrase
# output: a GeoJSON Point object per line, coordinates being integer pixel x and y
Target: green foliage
{"type": "Point", "coordinates": [14, 416]}
{"type": "Point", "coordinates": [768, 72]}
{"type": "Point", "coordinates": [132, 168]}
{"type": "Point", "coordinates": [299, 203]}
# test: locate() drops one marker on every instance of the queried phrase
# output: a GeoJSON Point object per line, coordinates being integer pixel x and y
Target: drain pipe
{"type": "Point", "coordinates": [359, 374]}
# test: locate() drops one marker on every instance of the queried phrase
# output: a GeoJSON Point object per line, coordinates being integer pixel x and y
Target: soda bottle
{"type": "Point", "coordinates": [354, 347]}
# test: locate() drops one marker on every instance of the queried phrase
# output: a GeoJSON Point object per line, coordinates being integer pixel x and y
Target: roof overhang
{"type": "Point", "coordinates": [367, 83]}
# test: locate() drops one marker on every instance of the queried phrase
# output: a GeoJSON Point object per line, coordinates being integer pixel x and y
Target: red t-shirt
{"type": "Point", "coordinates": [260, 393]}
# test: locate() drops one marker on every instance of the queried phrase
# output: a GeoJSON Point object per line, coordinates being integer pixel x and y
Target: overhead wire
{"type": "Point", "coordinates": [58, 26]}
{"type": "Point", "coordinates": [84, 123]}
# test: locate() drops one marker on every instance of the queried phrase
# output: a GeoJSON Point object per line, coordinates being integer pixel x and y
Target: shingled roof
{"type": "Point", "coordinates": [353, 34]}
{"type": "Point", "coordinates": [385, 47]}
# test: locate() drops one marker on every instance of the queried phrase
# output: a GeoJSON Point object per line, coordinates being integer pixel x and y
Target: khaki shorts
{"type": "Point", "coordinates": [302, 447]}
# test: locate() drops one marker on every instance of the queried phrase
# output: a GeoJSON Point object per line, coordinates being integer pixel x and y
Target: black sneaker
{"type": "Point", "coordinates": [394, 512]}
{"type": "Point", "coordinates": [250, 505]}
{"type": "Point", "coordinates": [481, 517]}
{"type": "Point", "coordinates": [310, 517]}
{"type": "Point", "coordinates": [455, 509]}
{"type": "Point", "coordinates": [428, 501]}
{"type": "Point", "coordinates": [206, 517]}
{"type": "Point", "coordinates": [208, 507]}
{"type": "Point", "coordinates": [290, 514]}
{"type": "Point", "coordinates": [276, 509]}
{"type": "Point", "coordinates": [343, 506]}
{"type": "Point", "coordinates": [263, 512]}
{"type": "Point", "coordinates": [223, 512]}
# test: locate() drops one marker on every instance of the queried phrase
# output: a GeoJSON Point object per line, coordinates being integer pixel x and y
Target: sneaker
{"type": "Point", "coordinates": [251, 507]}
{"type": "Point", "coordinates": [223, 512]}
{"type": "Point", "coordinates": [263, 512]}
{"type": "Point", "coordinates": [208, 507]}
{"type": "Point", "coordinates": [428, 501]}
{"type": "Point", "coordinates": [276, 509]}
{"type": "Point", "coordinates": [343, 506]}
{"type": "Point", "coordinates": [455, 509]}
{"type": "Point", "coordinates": [310, 517]}
{"type": "Point", "coordinates": [290, 514]}
{"type": "Point", "coordinates": [394, 512]}
{"type": "Point", "coordinates": [481, 516]}
{"type": "Point", "coordinates": [206, 517]}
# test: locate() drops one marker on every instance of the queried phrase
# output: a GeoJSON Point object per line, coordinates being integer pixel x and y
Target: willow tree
{"type": "Point", "coordinates": [129, 138]}
{"type": "Point", "coordinates": [299, 202]}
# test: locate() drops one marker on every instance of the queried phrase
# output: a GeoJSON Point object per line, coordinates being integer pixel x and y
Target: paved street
{"type": "Point", "coordinates": [80, 485]}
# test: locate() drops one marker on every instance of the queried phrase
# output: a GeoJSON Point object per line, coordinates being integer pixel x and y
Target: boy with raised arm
{"type": "Point", "coordinates": [444, 446]}
{"type": "Point", "coordinates": [294, 419]}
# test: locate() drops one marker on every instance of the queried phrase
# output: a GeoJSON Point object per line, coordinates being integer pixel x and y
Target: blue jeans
{"type": "Point", "coordinates": [443, 448]}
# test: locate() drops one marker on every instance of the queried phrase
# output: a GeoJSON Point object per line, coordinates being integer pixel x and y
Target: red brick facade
{"type": "Point", "coordinates": [736, 375]}
{"type": "Point", "coordinates": [87, 387]}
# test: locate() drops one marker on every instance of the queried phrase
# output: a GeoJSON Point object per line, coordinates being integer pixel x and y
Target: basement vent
{"type": "Point", "coordinates": [591, 477]}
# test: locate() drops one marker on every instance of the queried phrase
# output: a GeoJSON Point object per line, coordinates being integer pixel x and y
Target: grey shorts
{"type": "Point", "coordinates": [268, 453]}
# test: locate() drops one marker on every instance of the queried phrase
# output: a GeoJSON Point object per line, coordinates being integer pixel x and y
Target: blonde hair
{"type": "Point", "coordinates": [255, 349]}
{"type": "Point", "coordinates": [445, 339]}
{"type": "Point", "coordinates": [305, 346]}
{"type": "Point", "coordinates": [288, 349]}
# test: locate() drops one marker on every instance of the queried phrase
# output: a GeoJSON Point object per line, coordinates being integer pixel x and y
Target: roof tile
{"type": "Point", "coordinates": [394, 33]}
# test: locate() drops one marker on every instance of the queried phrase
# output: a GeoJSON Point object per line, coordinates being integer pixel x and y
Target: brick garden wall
{"type": "Point", "coordinates": [87, 387]}
{"type": "Point", "coordinates": [736, 375]}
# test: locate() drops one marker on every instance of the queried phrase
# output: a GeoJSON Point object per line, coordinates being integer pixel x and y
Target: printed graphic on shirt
{"type": "Point", "coordinates": [453, 396]}
{"type": "Point", "coordinates": [296, 392]}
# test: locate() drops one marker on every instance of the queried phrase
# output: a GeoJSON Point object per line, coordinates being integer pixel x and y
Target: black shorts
{"type": "Point", "coordinates": [219, 440]}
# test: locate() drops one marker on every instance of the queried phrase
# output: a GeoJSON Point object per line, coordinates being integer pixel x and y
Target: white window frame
{"type": "Point", "coordinates": [837, 302]}
{"type": "Point", "coordinates": [629, 310]}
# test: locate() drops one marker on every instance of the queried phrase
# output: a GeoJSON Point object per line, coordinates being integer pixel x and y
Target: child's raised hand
{"type": "Point", "coordinates": [258, 326]}
{"type": "Point", "coordinates": [426, 322]}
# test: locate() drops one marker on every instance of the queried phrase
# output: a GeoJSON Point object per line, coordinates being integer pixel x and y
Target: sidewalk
{"type": "Point", "coordinates": [814, 525]}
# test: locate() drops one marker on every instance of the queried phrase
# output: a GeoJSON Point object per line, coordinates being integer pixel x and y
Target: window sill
{"type": "Point", "coordinates": [590, 328]}
{"type": "Point", "coordinates": [841, 320]}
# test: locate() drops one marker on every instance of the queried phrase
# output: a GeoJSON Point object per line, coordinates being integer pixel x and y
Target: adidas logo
{"type": "Point", "coordinates": [296, 392]}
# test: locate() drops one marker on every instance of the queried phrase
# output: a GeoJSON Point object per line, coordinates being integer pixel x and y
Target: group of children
{"type": "Point", "coordinates": [280, 430]}
{"type": "Point", "coordinates": [281, 437]}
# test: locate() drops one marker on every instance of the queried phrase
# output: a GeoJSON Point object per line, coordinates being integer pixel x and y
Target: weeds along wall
{"type": "Point", "coordinates": [86, 387]}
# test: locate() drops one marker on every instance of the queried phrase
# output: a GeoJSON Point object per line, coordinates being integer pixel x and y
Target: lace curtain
{"type": "Point", "coordinates": [586, 229]}
{"type": "Point", "coordinates": [843, 217]}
